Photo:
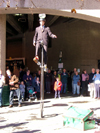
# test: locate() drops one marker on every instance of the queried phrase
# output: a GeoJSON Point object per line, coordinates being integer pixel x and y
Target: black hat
{"type": "Point", "coordinates": [42, 19]}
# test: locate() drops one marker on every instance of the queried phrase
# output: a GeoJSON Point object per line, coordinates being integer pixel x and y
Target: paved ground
{"type": "Point", "coordinates": [26, 119]}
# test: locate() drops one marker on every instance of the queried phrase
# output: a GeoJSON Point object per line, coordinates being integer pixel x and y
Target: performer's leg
{"type": "Point", "coordinates": [45, 54]}
{"type": "Point", "coordinates": [37, 50]}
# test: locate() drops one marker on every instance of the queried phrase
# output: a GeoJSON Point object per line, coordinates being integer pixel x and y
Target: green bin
{"type": "Point", "coordinates": [78, 118]}
{"type": "Point", "coordinates": [5, 95]}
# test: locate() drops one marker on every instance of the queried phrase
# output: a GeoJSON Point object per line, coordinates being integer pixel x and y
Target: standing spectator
{"type": "Point", "coordinates": [2, 81]}
{"type": "Point", "coordinates": [21, 74]}
{"type": "Point", "coordinates": [96, 79]}
{"type": "Point", "coordinates": [39, 74]}
{"type": "Point", "coordinates": [76, 81]}
{"type": "Point", "coordinates": [22, 90]}
{"type": "Point", "coordinates": [14, 87]}
{"type": "Point", "coordinates": [54, 76]}
{"type": "Point", "coordinates": [91, 83]}
{"type": "Point", "coordinates": [34, 80]}
{"type": "Point", "coordinates": [27, 78]}
{"type": "Point", "coordinates": [85, 78]}
{"type": "Point", "coordinates": [7, 77]}
{"type": "Point", "coordinates": [64, 77]}
{"type": "Point", "coordinates": [57, 87]}
{"type": "Point", "coordinates": [48, 78]}
{"type": "Point", "coordinates": [16, 70]}
{"type": "Point", "coordinates": [11, 67]}
{"type": "Point", "coordinates": [73, 73]}
{"type": "Point", "coordinates": [37, 87]}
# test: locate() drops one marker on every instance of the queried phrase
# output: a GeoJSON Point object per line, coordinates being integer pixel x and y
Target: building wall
{"type": "Point", "coordinates": [80, 43]}
{"type": "Point", "coordinates": [14, 49]}
{"type": "Point", "coordinates": [78, 40]}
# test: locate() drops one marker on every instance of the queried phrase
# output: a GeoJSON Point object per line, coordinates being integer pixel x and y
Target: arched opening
{"type": "Point", "coordinates": [76, 33]}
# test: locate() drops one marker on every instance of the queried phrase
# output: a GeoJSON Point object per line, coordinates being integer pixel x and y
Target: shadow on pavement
{"type": "Point", "coordinates": [27, 103]}
{"type": "Point", "coordinates": [79, 102]}
{"type": "Point", "coordinates": [31, 118]}
{"type": "Point", "coordinates": [59, 104]}
{"type": "Point", "coordinates": [2, 120]}
{"type": "Point", "coordinates": [27, 131]}
{"type": "Point", "coordinates": [51, 115]}
{"type": "Point", "coordinates": [13, 125]}
{"type": "Point", "coordinates": [95, 108]}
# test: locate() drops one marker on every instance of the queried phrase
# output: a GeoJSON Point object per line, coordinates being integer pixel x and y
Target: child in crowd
{"type": "Point", "coordinates": [22, 89]}
{"type": "Point", "coordinates": [57, 87]}
{"type": "Point", "coordinates": [37, 87]}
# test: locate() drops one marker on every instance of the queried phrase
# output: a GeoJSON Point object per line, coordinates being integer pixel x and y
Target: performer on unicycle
{"type": "Point", "coordinates": [41, 38]}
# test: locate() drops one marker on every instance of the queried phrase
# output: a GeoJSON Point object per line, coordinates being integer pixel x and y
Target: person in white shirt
{"type": "Point", "coordinates": [96, 79]}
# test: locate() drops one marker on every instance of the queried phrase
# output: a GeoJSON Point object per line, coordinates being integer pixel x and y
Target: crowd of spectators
{"type": "Point", "coordinates": [23, 82]}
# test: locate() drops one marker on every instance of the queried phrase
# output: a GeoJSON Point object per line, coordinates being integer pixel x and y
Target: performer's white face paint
{"type": "Point", "coordinates": [42, 23]}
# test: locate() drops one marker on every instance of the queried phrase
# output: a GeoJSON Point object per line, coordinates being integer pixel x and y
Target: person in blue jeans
{"type": "Point", "coordinates": [64, 77]}
{"type": "Point", "coordinates": [96, 79]}
{"type": "Point", "coordinates": [2, 81]}
{"type": "Point", "coordinates": [76, 79]}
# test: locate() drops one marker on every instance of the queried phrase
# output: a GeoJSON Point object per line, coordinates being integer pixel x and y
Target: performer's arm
{"type": "Point", "coordinates": [35, 38]}
{"type": "Point", "coordinates": [50, 34]}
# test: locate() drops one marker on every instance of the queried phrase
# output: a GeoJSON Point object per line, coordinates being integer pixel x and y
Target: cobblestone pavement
{"type": "Point", "coordinates": [26, 119]}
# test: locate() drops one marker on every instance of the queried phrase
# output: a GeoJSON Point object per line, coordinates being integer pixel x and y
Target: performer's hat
{"type": "Point", "coordinates": [42, 17]}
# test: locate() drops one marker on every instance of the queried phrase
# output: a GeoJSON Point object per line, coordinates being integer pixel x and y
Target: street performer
{"type": "Point", "coordinates": [41, 37]}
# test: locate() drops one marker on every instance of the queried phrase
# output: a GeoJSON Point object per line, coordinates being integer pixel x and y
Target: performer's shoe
{"type": "Point", "coordinates": [45, 68]}
{"type": "Point", "coordinates": [36, 59]}
{"type": "Point", "coordinates": [39, 64]}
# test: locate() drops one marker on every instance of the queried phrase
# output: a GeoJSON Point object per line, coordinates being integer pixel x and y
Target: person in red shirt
{"type": "Point", "coordinates": [57, 87]}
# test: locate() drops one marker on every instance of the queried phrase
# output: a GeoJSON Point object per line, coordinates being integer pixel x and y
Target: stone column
{"type": "Point", "coordinates": [2, 43]}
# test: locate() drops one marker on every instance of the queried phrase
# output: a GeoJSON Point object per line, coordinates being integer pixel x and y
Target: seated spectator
{"type": "Point", "coordinates": [22, 90]}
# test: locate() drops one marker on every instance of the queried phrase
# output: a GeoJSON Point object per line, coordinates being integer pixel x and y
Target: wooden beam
{"type": "Point", "coordinates": [52, 20]}
{"type": "Point", "coordinates": [10, 31]}
{"type": "Point", "coordinates": [30, 22]}
{"type": "Point", "coordinates": [12, 21]}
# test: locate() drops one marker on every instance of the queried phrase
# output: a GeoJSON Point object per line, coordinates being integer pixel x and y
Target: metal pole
{"type": "Point", "coordinates": [42, 84]}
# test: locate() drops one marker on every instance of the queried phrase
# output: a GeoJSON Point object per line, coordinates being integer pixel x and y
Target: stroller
{"type": "Point", "coordinates": [31, 93]}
